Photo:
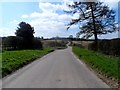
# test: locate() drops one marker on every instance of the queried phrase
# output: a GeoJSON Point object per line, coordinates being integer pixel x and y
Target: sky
{"type": "Point", "coordinates": [46, 16]}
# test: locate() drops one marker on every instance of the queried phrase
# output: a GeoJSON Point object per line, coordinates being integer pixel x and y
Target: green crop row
{"type": "Point", "coordinates": [98, 61]}
{"type": "Point", "coordinates": [13, 60]}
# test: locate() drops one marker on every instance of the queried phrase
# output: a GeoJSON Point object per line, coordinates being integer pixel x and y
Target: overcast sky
{"type": "Point", "coordinates": [46, 16]}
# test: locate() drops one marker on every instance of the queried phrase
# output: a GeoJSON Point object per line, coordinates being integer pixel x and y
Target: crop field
{"type": "Point", "coordinates": [98, 61]}
{"type": "Point", "coordinates": [13, 60]}
{"type": "Point", "coordinates": [83, 43]}
{"type": "Point", "coordinates": [60, 44]}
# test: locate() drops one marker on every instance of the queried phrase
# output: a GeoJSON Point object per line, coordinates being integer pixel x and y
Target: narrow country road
{"type": "Point", "coordinates": [59, 69]}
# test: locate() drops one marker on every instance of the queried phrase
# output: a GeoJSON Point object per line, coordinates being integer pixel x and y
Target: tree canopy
{"type": "Point", "coordinates": [26, 32]}
{"type": "Point", "coordinates": [95, 18]}
{"type": "Point", "coordinates": [24, 39]}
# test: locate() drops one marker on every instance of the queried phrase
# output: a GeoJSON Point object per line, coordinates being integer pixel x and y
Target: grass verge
{"type": "Point", "coordinates": [99, 62]}
{"type": "Point", "coordinates": [13, 60]}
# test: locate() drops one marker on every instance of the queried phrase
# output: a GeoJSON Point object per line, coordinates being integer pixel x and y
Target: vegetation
{"type": "Point", "coordinates": [13, 60]}
{"type": "Point", "coordinates": [12, 43]}
{"type": "Point", "coordinates": [98, 61]}
{"type": "Point", "coordinates": [95, 18]}
{"type": "Point", "coordinates": [70, 37]}
{"type": "Point", "coordinates": [54, 43]}
{"type": "Point", "coordinates": [26, 32]}
{"type": "Point", "coordinates": [24, 48]}
{"type": "Point", "coordinates": [108, 47]}
{"type": "Point", "coordinates": [82, 44]}
{"type": "Point", "coordinates": [24, 39]}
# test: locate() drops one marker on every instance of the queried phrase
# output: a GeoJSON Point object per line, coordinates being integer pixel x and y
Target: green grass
{"type": "Point", "coordinates": [13, 60]}
{"type": "Point", "coordinates": [98, 61]}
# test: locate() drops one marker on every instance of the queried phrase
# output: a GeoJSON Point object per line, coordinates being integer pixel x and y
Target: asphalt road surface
{"type": "Point", "coordinates": [59, 69]}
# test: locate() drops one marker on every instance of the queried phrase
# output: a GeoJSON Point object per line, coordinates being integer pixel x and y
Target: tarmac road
{"type": "Point", "coordinates": [59, 69]}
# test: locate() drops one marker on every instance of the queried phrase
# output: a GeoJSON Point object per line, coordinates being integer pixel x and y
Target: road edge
{"type": "Point", "coordinates": [111, 83]}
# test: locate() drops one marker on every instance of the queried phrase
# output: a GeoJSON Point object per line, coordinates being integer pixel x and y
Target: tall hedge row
{"type": "Point", "coordinates": [109, 47]}
{"type": "Point", "coordinates": [17, 43]}
{"type": "Point", "coordinates": [115, 47]}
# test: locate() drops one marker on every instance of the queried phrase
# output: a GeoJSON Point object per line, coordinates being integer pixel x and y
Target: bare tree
{"type": "Point", "coordinates": [95, 19]}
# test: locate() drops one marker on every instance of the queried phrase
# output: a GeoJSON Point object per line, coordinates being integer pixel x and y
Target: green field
{"type": "Point", "coordinates": [56, 44]}
{"type": "Point", "coordinates": [99, 62]}
{"type": "Point", "coordinates": [13, 60]}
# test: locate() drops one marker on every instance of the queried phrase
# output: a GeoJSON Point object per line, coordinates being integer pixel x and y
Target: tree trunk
{"type": "Point", "coordinates": [94, 26]}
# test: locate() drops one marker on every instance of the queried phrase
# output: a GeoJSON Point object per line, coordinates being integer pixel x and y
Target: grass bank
{"type": "Point", "coordinates": [99, 62]}
{"type": "Point", "coordinates": [13, 60]}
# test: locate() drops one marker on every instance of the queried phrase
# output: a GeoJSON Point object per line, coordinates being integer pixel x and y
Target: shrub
{"type": "Point", "coordinates": [54, 43]}
{"type": "Point", "coordinates": [104, 46]}
{"type": "Point", "coordinates": [12, 43]}
{"type": "Point", "coordinates": [109, 47]}
{"type": "Point", "coordinates": [91, 46]}
{"type": "Point", "coordinates": [15, 43]}
{"type": "Point", "coordinates": [115, 47]}
{"type": "Point", "coordinates": [37, 44]}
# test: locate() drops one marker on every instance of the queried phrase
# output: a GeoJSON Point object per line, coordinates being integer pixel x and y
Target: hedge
{"type": "Point", "coordinates": [109, 47]}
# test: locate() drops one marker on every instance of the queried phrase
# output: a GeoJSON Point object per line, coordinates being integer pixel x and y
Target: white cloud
{"type": "Point", "coordinates": [24, 16]}
{"type": "Point", "coordinates": [35, 15]}
{"type": "Point", "coordinates": [109, 36]}
{"type": "Point", "coordinates": [13, 23]}
{"type": "Point", "coordinates": [49, 22]}
{"type": "Point", "coordinates": [49, 1]}
{"type": "Point", "coordinates": [6, 32]}
{"type": "Point", "coordinates": [9, 31]}
{"type": "Point", "coordinates": [49, 7]}
{"type": "Point", "coordinates": [111, 3]}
